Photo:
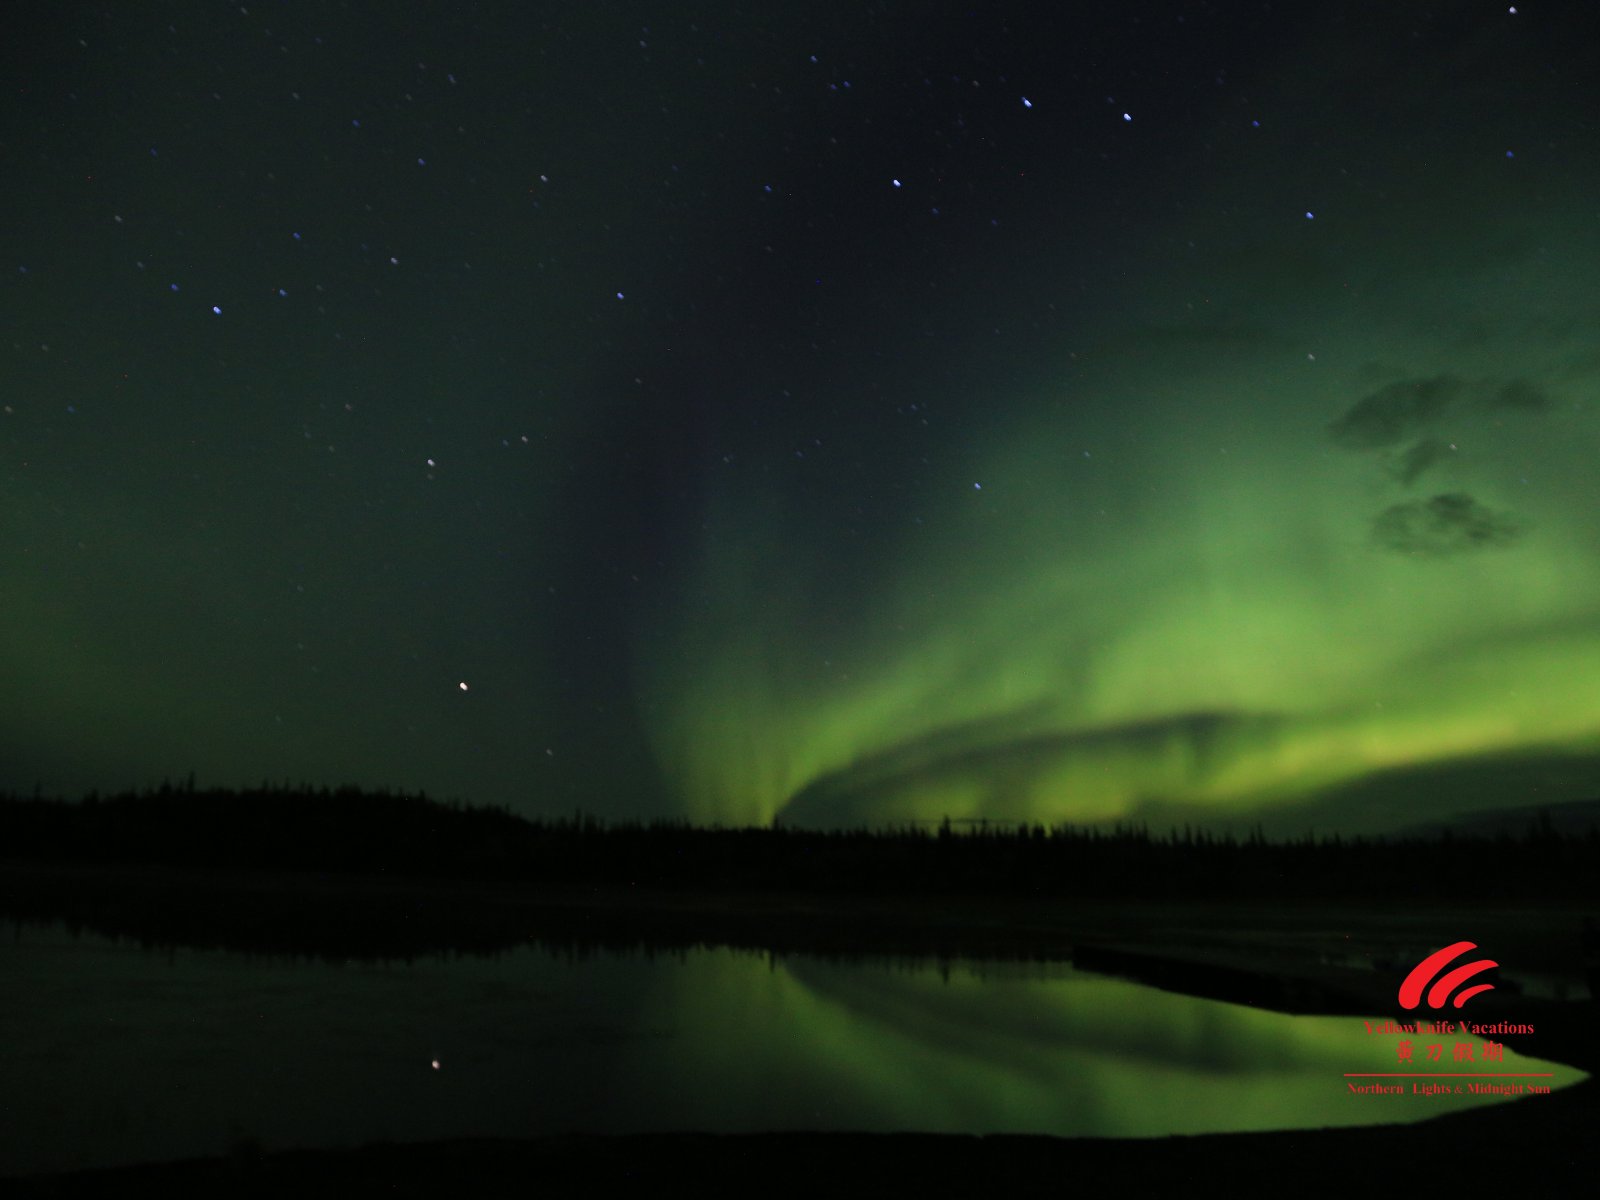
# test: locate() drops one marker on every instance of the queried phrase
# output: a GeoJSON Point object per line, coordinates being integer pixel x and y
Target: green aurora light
{"type": "Point", "coordinates": [1204, 569]}
{"type": "Point", "coordinates": [805, 451]}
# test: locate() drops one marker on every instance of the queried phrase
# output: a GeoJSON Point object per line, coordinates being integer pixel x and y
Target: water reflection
{"type": "Point", "coordinates": [120, 1055]}
{"type": "Point", "coordinates": [1068, 1053]}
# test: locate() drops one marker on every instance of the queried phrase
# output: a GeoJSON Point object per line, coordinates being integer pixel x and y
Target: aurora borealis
{"type": "Point", "coordinates": [828, 412]}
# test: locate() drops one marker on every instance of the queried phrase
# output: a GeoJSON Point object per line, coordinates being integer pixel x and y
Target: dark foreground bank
{"type": "Point", "coordinates": [1531, 1146]}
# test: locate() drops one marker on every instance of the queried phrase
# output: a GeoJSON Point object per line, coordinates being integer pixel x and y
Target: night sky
{"type": "Point", "coordinates": [841, 412]}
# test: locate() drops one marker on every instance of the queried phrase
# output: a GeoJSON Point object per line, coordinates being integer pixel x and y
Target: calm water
{"type": "Point", "coordinates": [111, 1054]}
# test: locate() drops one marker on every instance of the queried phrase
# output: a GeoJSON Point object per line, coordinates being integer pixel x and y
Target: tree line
{"type": "Point", "coordinates": [348, 830]}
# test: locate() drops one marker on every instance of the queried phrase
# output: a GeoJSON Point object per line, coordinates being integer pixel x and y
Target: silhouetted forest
{"type": "Point", "coordinates": [402, 836]}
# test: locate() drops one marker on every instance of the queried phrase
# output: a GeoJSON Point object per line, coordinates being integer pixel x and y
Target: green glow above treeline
{"type": "Point", "coordinates": [1198, 568]}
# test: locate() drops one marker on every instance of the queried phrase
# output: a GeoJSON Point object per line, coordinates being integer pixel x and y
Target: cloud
{"type": "Point", "coordinates": [1418, 459]}
{"type": "Point", "coordinates": [1393, 413]}
{"type": "Point", "coordinates": [1449, 524]}
{"type": "Point", "coordinates": [1519, 395]}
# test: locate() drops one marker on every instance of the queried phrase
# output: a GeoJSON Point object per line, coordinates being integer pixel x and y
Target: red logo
{"type": "Point", "coordinates": [1423, 972]}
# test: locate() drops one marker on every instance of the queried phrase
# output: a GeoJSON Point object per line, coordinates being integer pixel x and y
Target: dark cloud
{"type": "Point", "coordinates": [1448, 524]}
{"type": "Point", "coordinates": [1419, 458]}
{"type": "Point", "coordinates": [1393, 413]}
{"type": "Point", "coordinates": [1520, 395]}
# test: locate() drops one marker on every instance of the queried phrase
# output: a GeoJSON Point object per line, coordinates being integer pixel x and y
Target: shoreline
{"type": "Point", "coordinates": [1328, 940]}
{"type": "Point", "coordinates": [1485, 1146]}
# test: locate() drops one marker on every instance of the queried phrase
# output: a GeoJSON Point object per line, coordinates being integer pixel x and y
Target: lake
{"type": "Point", "coordinates": [113, 1054]}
